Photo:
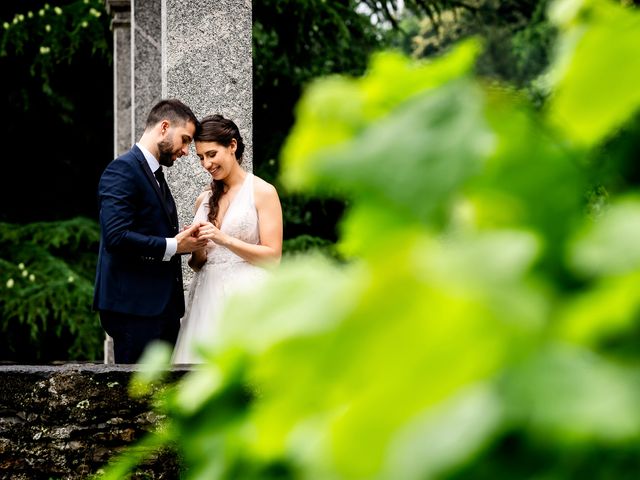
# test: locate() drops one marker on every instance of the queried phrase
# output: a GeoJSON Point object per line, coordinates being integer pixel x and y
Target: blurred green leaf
{"type": "Point", "coordinates": [152, 368]}
{"type": "Point", "coordinates": [574, 396]}
{"type": "Point", "coordinates": [610, 307]}
{"type": "Point", "coordinates": [334, 109]}
{"type": "Point", "coordinates": [596, 75]}
{"type": "Point", "coordinates": [416, 157]}
{"type": "Point", "coordinates": [609, 244]}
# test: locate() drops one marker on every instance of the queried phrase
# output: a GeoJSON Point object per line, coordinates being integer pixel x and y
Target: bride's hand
{"type": "Point", "coordinates": [213, 233]}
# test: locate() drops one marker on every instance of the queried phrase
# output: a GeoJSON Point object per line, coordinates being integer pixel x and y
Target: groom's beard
{"type": "Point", "coordinates": [166, 152]}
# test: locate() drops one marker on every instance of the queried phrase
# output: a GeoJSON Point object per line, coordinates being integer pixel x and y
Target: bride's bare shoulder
{"type": "Point", "coordinates": [262, 187]}
{"type": "Point", "coordinates": [263, 192]}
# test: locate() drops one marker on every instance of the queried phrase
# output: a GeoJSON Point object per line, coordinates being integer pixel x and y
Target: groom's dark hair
{"type": "Point", "coordinates": [173, 110]}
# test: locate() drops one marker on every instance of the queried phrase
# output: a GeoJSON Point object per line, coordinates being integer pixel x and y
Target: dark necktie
{"type": "Point", "coordinates": [164, 188]}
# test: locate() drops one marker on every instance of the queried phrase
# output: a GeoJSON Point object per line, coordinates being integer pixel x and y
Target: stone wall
{"type": "Point", "coordinates": [65, 422]}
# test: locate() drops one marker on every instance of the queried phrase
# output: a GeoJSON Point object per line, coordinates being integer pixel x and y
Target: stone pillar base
{"type": "Point", "coordinates": [109, 356]}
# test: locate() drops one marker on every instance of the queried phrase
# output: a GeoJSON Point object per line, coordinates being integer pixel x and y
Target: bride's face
{"type": "Point", "coordinates": [217, 159]}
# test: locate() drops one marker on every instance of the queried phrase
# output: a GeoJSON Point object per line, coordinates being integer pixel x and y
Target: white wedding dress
{"type": "Point", "coordinates": [224, 273]}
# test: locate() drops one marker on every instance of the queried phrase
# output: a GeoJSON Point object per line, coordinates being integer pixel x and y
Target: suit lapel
{"type": "Point", "coordinates": [172, 216]}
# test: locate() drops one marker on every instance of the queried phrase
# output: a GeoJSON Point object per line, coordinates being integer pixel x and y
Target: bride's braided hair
{"type": "Point", "coordinates": [216, 128]}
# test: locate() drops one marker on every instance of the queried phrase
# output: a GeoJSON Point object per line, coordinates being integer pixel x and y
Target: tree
{"type": "Point", "coordinates": [57, 119]}
{"type": "Point", "coordinates": [46, 52]}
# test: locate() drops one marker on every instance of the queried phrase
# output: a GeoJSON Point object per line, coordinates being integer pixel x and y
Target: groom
{"type": "Point", "coordinates": [138, 290]}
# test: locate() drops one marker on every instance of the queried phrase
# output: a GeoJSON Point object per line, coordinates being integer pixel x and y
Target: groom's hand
{"type": "Point", "coordinates": [188, 240]}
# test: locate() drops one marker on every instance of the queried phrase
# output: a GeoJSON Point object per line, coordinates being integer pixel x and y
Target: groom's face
{"type": "Point", "coordinates": [175, 143]}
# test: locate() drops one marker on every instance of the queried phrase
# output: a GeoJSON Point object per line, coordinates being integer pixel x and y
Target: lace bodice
{"type": "Point", "coordinates": [224, 274]}
{"type": "Point", "coordinates": [240, 221]}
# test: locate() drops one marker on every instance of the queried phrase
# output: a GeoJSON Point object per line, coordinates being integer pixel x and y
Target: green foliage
{"type": "Point", "coordinates": [290, 48]}
{"type": "Point", "coordinates": [485, 323]}
{"type": "Point", "coordinates": [578, 73]}
{"type": "Point", "coordinates": [68, 89]}
{"type": "Point", "coordinates": [46, 291]}
{"type": "Point", "coordinates": [304, 244]}
{"type": "Point", "coordinates": [516, 35]}
{"type": "Point", "coordinates": [52, 36]}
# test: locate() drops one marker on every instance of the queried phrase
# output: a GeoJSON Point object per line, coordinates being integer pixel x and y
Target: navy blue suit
{"type": "Point", "coordinates": [139, 296]}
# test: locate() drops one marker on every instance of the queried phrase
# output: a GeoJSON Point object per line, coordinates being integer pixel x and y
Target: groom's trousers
{"type": "Point", "coordinates": [133, 333]}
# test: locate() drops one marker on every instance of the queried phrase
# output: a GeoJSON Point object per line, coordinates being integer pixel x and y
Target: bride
{"type": "Point", "coordinates": [243, 223]}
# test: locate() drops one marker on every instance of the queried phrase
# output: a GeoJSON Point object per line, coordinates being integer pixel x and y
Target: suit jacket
{"type": "Point", "coordinates": [135, 221]}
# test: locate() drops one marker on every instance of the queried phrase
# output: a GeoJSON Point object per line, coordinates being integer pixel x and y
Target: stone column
{"type": "Point", "coordinates": [207, 63]}
{"type": "Point", "coordinates": [146, 52]}
{"type": "Point", "coordinates": [120, 11]}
